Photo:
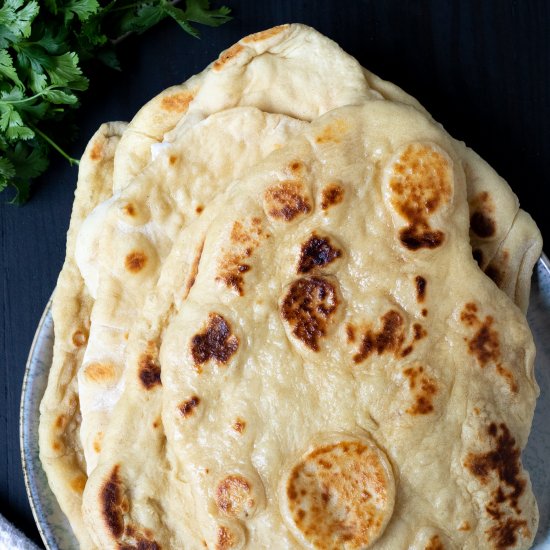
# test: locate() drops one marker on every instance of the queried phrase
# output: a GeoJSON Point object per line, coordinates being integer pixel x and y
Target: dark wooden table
{"type": "Point", "coordinates": [481, 68]}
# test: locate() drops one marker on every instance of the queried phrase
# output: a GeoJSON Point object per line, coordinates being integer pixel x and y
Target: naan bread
{"type": "Point", "coordinates": [237, 78]}
{"type": "Point", "coordinates": [124, 503]}
{"type": "Point", "coordinates": [351, 345]}
{"type": "Point", "coordinates": [148, 127]}
{"type": "Point", "coordinates": [280, 56]}
{"type": "Point", "coordinates": [368, 385]}
{"type": "Point", "coordinates": [60, 448]}
{"type": "Point", "coordinates": [124, 242]}
{"type": "Point", "coordinates": [507, 251]}
{"type": "Point", "coordinates": [495, 216]}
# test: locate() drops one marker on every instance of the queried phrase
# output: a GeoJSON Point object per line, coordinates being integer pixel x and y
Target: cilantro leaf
{"type": "Point", "coordinates": [29, 159]}
{"type": "Point", "coordinates": [18, 18]}
{"type": "Point", "coordinates": [45, 48]}
{"type": "Point", "coordinates": [199, 11]}
{"type": "Point", "coordinates": [144, 17]}
{"type": "Point", "coordinates": [81, 8]}
{"type": "Point", "coordinates": [7, 172]}
{"type": "Point", "coordinates": [12, 124]}
{"type": "Point", "coordinates": [7, 69]}
{"type": "Point", "coordinates": [63, 70]}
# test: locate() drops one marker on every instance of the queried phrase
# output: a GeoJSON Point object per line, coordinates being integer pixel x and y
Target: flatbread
{"type": "Point", "coordinates": [280, 55]}
{"type": "Point", "coordinates": [346, 294]}
{"type": "Point", "coordinates": [148, 127]}
{"type": "Point", "coordinates": [123, 244]}
{"type": "Point", "coordinates": [60, 449]}
{"type": "Point", "coordinates": [293, 57]}
{"type": "Point", "coordinates": [305, 365]}
{"type": "Point", "coordinates": [505, 242]}
{"type": "Point", "coordinates": [230, 81]}
{"type": "Point", "coordinates": [356, 391]}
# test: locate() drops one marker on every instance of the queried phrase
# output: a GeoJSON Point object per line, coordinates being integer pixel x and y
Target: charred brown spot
{"type": "Point", "coordinates": [508, 376]}
{"type": "Point", "coordinates": [423, 389]}
{"type": "Point", "coordinates": [149, 370]}
{"type": "Point", "coordinates": [424, 312]}
{"type": "Point", "coordinates": [61, 422]}
{"type": "Point", "coordinates": [308, 307]}
{"type": "Point", "coordinates": [80, 337]}
{"type": "Point", "coordinates": [234, 496]}
{"type": "Point", "coordinates": [264, 35]}
{"type": "Point", "coordinates": [187, 408]}
{"type": "Point", "coordinates": [482, 225]}
{"type": "Point", "coordinates": [111, 503]}
{"type": "Point", "coordinates": [464, 526]}
{"type": "Point", "coordinates": [421, 184]}
{"type": "Point", "coordinates": [478, 256]}
{"type": "Point", "coordinates": [173, 159]}
{"type": "Point", "coordinates": [469, 314]}
{"type": "Point", "coordinates": [414, 239]}
{"type": "Point", "coordinates": [233, 266]}
{"type": "Point", "coordinates": [215, 342]}
{"type": "Point", "coordinates": [332, 194]}
{"type": "Point", "coordinates": [239, 425]}
{"type": "Point", "coordinates": [420, 288]}
{"type": "Point", "coordinates": [503, 463]}
{"type": "Point", "coordinates": [199, 209]}
{"type": "Point", "coordinates": [227, 55]}
{"type": "Point", "coordinates": [97, 151]}
{"type": "Point", "coordinates": [286, 201]}
{"type": "Point", "coordinates": [419, 331]}
{"type": "Point", "coordinates": [350, 332]}
{"type": "Point", "coordinates": [317, 252]}
{"type": "Point", "coordinates": [296, 166]}
{"type": "Point", "coordinates": [78, 483]}
{"type": "Point", "coordinates": [57, 445]}
{"type": "Point", "coordinates": [97, 442]}
{"type": "Point", "coordinates": [135, 261]}
{"type": "Point", "coordinates": [504, 534]}
{"type": "Point", "coordinates": [332, 132]}
{"type": "Point", "coordinates": [225, 538]}
{"type": "Point", "coordinates": [177, 103]}
{"type": "Point", "coordinates": [129, 209]}
{"type": "Point", "coordinates": [388, 339]}
{"type": "Point", "coordinates": [485, 345]}
{"type": "Point", "coordinates": [101, 372]}
{"type": "Point", "coordinates": [435, 543]}
{"type": "Point", "coordinates": [156, 423]}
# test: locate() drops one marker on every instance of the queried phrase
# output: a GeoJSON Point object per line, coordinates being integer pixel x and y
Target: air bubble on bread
{"type": "Point", "coordinates": [339, 494]}
{"type": "Point", "coordinates": [418, 189]}
{"type": "Point", "coordinates": [287, 201]}
{"type": "Point", "coordinates": [239, 496]}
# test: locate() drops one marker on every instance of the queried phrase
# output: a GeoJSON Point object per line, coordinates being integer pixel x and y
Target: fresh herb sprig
{"type": "Point", "coordinates": [44, 50]}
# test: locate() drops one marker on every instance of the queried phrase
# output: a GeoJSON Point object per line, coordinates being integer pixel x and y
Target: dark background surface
{"type": "Point", "coordinates": [481, 68]}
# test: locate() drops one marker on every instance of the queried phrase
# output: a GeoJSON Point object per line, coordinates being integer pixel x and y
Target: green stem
{"type": "Point", "coordinates": [18, 101]}
{"type": "Point", "coordinates": [46, 138]}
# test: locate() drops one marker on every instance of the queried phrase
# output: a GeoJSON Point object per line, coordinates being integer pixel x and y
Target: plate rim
{"type": "Point", "coordinates": [22, 429]}
{"type": "Point", "coordinates": [544, 259]}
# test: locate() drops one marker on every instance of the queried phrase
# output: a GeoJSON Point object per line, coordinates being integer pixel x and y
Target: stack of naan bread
{"type": "Point", "coordinates": [291, 315]}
